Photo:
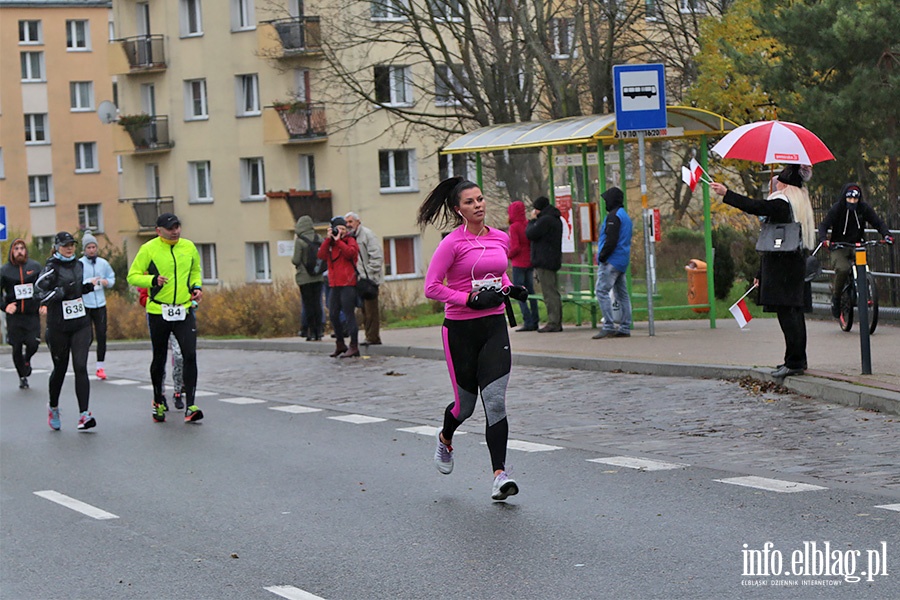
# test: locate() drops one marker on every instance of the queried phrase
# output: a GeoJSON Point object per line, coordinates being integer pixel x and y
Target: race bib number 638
{"type": "Point", "coordinates": [73, 309]}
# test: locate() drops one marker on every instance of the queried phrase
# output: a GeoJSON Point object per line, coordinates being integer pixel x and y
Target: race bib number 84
{"type": "Point", "coordinates": [173, 312]}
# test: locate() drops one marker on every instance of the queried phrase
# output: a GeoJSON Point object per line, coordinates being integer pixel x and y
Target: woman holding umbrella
{"type": "Point", "coordinates": [782, 288]}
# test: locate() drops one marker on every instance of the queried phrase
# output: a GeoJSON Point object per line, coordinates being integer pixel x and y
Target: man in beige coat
{"type": "Point", "coordinates": [371, 266]}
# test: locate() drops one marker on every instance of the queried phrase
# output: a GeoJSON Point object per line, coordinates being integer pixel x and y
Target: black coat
{"type": "Point", "coordinates": [12, 275]}
{"type": "Point", "coordinates": [849, 225]}
{"type": "Point", "coordinates": [545, 234]}
{"type": "Point", "coordinates": [781, 279]}
{"type": "Point", "coordinates": [62, 280]}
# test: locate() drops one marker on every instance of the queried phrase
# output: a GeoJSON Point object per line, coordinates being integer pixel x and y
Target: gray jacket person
{"type": "Point", "coordinates": [370, 265]}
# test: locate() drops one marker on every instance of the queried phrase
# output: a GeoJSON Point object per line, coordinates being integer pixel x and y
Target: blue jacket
{"type": "Point", "coordinates": [615, 233]}
{"type": "Point", "coordinates": [97, 267]}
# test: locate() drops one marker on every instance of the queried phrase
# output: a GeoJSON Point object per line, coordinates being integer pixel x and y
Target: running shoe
{"type": "Point", "coordinates": [101, 374]}
{"type": "Point", "coordinates": [53, 418]}
{"type": "Point", "coordinates": [504, 486]}
{"type": "Point", "coordinates": [23, 383]}
{"type": "Point", "coordinates": [28, 369]}
{"type": "Point", "coordinates": [159, 412]}
{"type": "Point", "coordinates": [193, 414]}
{"type": "Point", "coordinates": [179, 401]}
{"type": "Point", "coordinates": [86, 421]}
{"type": "Point", "coordinates": [443, 456]}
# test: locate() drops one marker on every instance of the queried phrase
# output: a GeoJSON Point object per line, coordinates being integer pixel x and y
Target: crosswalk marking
{"type": "Point", "coordinates": [292, 593]}
{"type": "Point", "coordinates": [530, 446]}
{"type": "Point", "coordinates": [242, 400]}
{"type": "Point", "coordinates": [644, 464]}
{"type": "Point", "coordinates": [293, 408]}
{"type": "Point", "coordinates": [76, 505]}
{"type": "Point", "coordinates": [203, 393]}
{"type": "Point", "coordinates": [771, 485]}
{"type": "Point", "coordinates": [122, 382]}
{"type": "Point", "coordinates": [357, 419]}
{"type": "Point", "coordinates": [427, 430]}
{"type": "Point", "coordinates": [895, 507]}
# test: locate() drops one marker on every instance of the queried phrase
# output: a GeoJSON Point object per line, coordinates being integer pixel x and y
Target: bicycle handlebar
{"type": "Point", "coordinates": [849, 245]}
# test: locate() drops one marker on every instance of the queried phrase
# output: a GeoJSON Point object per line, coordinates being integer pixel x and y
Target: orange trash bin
{"type": "Point", "coordinates": [697, 285]}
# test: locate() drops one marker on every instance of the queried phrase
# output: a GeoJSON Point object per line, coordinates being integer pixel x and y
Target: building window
{"type": "Point", "coordinates": [86, 157]}
{"type": "Point", "coordinates": [504, 9]}
{"type": "Point", "coordinates": [397, 170]}
{"type": "Point", "coordinates": [242, 15]}
{"type": "Point", "coordinates": [40, 190]}
{"type": "Point", "coordinates": [78, 35]}
{"type": "Point", "coordinates": [447, 88]}
{"type": "Point", "coordinates": [90, 216]}
{"type": "Point", "coordinates": [2, 166]}
{"type": "Point", "coordinates": [455, 165]}
{"type": "Point", "coordinates": [692, 6]}
{"type": "Point", "coordinates": [32, 66]}
{"type": "Point", "coordinates": [307, 172]}
{"type": "Point", "coordinates": [401, 257]}
{"type": "Point", "coordinates": [195, 100]}
{"type": "Point", "coordinates": [247, 95]}
{"type": "Point", "coordinates": [651, 10]}
{"type": "Point", "coordinates": [562, 33]}
{"type": "Point", "coordinates": [253, 179]}
{"type": "Point", "coordinates": [208, 270]}
{"type": "Point", "coordinates": [258, 268]}
{"type": "Point", "coordinates": [390, 10]}
{"type": "Point", "coordinates": [445, 10]}
{"type": "Point", "coordinates": [30, 32]}
{"type": "Point", "coordinates": [36, 128]}
{"type": "Point", "coordinates": [81, 95]}
{"type": "Point", "coordinates": [191, 18]}
{"type": "Point", "coordinates": [393, 85]}
{"type": "Point", "coordinates": [200, 181]}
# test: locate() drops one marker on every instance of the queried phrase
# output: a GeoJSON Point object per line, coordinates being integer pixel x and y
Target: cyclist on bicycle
{"type": "Point", "coordinates": [847, 220]}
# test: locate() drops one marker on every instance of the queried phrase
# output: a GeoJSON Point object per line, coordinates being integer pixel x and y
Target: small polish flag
{"type": "Point", "coordinates": [696, 172]}
{"type": "Point", "coordinates": [741, 313]}
{"type": "Point", "coordinates": [688, 178]}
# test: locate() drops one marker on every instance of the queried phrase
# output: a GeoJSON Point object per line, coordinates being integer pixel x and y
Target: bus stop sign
{"type": "Point", "coordinates": [640, 92]}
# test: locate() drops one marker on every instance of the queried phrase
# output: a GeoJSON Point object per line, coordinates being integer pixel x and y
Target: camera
{"type": "Point", "coordinates": [335, 230]}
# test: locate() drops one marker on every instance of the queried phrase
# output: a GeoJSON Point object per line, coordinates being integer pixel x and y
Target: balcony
{"type": "Point", "coordinates": [315, 203]}
{"type": "Point", "coordinates": [292, 37]}
{"type": "Point", "coordinates": [149, 134]}
{"type": "Point", "coordinates": [147, 210]}
{"type": "Point", "coordinates": [145, 53]}
{"type": "Point", "coordinates": [303, 122]}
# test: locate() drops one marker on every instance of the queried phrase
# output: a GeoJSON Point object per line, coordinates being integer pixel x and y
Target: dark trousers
{"type": "Point", "coordinates": [24, 335]}
{"type": "Point", "coordinates": [371, 320]}
{"type": "Point", "coordinates": [98, 319]}
{"type": "Point", "coordinates": [62, 344]}
{"type": "Point", "coordinates": [311, 316]}
{"type": "Point", "coordinates": [524, 276]}
{"type": "Point", "coordinates": [185, 333]}
{"type": "Point", "coordinates": [343, 300]}
{"type": "Point", "coordinates": [793, 326]}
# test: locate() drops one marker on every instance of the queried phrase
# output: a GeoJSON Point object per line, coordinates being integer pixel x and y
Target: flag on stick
{"type": "Point", "coordinates": [739, 310]}
{"type": "Point", "coordinates": [688, 178]}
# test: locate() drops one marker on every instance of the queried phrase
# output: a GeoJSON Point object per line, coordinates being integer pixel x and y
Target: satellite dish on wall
{"type": "Point", "coordinates": [107, 112]}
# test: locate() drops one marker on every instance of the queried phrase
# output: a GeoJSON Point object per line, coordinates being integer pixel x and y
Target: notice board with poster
{"type": "Point", "coordinates": [563, 196]}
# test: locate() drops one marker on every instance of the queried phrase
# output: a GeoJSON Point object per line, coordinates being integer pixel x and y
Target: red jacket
{"type": "Point", "coordinates": [519, 245]}
{"type": "Point", "coordinates": [341, 256]}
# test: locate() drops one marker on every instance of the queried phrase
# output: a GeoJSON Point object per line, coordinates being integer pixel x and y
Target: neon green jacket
{"type": "Point", "coordinates": [179, 262]}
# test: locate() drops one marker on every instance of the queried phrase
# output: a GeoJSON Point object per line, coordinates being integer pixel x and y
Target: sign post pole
{"type": "Point", "coordinates": [649, 246]}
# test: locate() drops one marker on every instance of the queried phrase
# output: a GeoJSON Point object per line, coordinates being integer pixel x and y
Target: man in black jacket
{"type": "Point", "coordinates": [847, 220]}
{"type": "Point", "coordinates": [21, 306]}
{"type": "Point", "coordinates": [545, 232]}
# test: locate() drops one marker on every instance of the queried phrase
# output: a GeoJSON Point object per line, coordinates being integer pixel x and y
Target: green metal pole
{"type": "Point", "coordinates": [551, 195]}
{"type": "Point", "coordinates": [707, 237]}
{"type": "Point", "coordinates": [478, 168]}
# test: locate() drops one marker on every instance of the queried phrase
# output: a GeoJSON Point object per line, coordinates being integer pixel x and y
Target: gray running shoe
{"type": "Point", "coordinates": [504, 486]}
{"type": "Point", "coordinates": [443, 456]}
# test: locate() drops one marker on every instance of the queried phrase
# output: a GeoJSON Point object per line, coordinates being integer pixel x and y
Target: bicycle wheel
{"type": "Point", "coordinates": [873, 302]}
{"type": "Point", "coordinates": [847, 304]}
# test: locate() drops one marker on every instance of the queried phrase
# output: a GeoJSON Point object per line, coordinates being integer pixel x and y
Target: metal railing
{"type": "Point", "coordinates": [307, 122]}
{"type": "Point", "coordinates": [145, 52]}
{"type": "Point", "coordinates": [153, 135]}
{"type": "Point", "coordinates": [147, 210]}
{"type": "Point", "coordinates": [298, 35]}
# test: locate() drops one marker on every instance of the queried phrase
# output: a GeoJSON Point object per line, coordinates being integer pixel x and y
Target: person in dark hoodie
{"type": "Point", "coordinates": [544, 230]}
{"type": "Point", "coordinates": [60, 287]}
{"type": "Point", "coordinates": [847, 220]}
{"type": "Point", "coordinates": [613, 256]}
{"type": "Point", "coordinates": [520, 257]}
{"type": "Point", "coordinates": [312, 325]}
{"type": "Point", "coordinates": [22, 308]}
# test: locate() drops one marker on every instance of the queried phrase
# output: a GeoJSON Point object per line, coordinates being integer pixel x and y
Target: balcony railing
{"type": "Point", "coordinates": [315, 203]}
{"type": "Point", "coordinates": [145, 52]}
{"type": "Point", "coordinates": [303, 123]}
{"type": "Point", "coordinates": [298, 35]}
{"type": "Point", "coordinates": [147, 210]}
{"type": "Point", "coordinates": [152, 136]}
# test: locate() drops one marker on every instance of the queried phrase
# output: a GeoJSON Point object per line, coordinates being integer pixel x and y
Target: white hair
{"type": "Point", "coordinates": [352, 215]}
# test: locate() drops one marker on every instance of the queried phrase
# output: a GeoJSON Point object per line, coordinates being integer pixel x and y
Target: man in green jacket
{"type": "Point", "coordinates": [169, 267]}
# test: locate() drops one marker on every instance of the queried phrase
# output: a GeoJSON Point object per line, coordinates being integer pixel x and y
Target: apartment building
{"type": "Point", "coordinates": [57, 167]}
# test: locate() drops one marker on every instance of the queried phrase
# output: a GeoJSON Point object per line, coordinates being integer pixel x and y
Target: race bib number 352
{"type": "Point", "coordinates": [173, 312]}
{"type": "Point", "coordinates": [24, 291]}
{"type": "Point", "coordinates": [73, 309]}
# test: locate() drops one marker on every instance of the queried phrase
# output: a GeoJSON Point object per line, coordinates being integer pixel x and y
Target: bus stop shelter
{"type": "Point", "coordinates": [594, 132]}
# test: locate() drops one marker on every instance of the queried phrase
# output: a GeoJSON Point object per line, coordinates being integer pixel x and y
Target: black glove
{"type": "Point", "coordinates": [484, 299]}
{"type": "Point", "coordinates": [517, 292]}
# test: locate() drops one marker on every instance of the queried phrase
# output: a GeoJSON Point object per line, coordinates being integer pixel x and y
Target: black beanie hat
{"type": "Point", "coordinates": [338, 221]}
{"type": "Point", "coordinates": [791, 176]}
{"type": "Point", "coordinates": [541, 202]}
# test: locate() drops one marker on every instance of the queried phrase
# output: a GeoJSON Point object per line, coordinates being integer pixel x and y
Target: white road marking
{"type": "Point", "coordinates": [293, 408]}
{"type": "Point", "coordinates": [530, 446]}
{"type": "Point", "coordinates": [203, 393]}
{"type": "Point", "coordinates": [427, 430]}
{"type": "Point", "coordinates": [771, 485]}
{"type": "Point", "coordinates": [890, 507]}
{"type": "Point", "coordinates": [146, 387]}
{"type": "Point", "coordinates": [76, 505]}
{"type": "Point", "coordinates": [291, 593]}
{"type": "Point", "coordinates": [123, 382]}
{"type": "Point", "coordinates": [357, 419]}
{"type": "Point", "coordinates": [241, 400]}
{"type": "Point", "coordinates": [644, 464]}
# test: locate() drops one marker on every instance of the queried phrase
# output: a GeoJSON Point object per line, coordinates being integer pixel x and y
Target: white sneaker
{"type": "Point", "coordinates": [443, 456]}
{"type": "Point", "coordinates": [504, 486]}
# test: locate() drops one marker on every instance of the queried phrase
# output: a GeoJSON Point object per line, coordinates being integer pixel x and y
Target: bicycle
{"type": "Point", "coordinates": [849, 293]}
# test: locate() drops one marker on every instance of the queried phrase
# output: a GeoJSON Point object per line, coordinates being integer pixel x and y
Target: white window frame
{"type": "Point", "coordinates": [390, 157]}
{"type": "Point", "coordinates": [555, 35]}
{"type": "Point", "coordinates": [200, 173]}
{"type": "Point", "coordinates": [196, 107]}
{"type": "Point", "coordinates": [651, 10]}
{"type": "Point", "coordinates": [446, 10]}
{"type": "Point", "coordinates": [27, 64]}
{"type": "Point", "coordinates": [446, 94]}
{"type": "Point", "coordinates": [692, 6]}
{"type": "Point", "coordinates": [399, 83]}
{"type": "Point", "coordinates": [389, 10]}
{"type": "Point", "coordinates": [87, 220]}
{"type": "Point", "coordinates": [208, 255]}
{"type": "Point", "coordinates": [86, 157]}
{"type": "Point", "coordinates": [391, 258]}
{"type": "Point", "coordinates": [190, 14]}
{"type": "Point", "coordinates": [32, 129]}
{"type": "Point", "coordinates": [447, 164]}
{"type": "Point", "coordinates": [78, 35]}
{"type": "Point", "coordinates": [81, 96]}
{"type": "Point", "coordinates": [25, 38]}
{"type": "Point", "coordinates": [307, 163]}
{"type": "Point", "coordinates": [36, 195]}
{"type": "Point", "coordinates": [247, 95]}
{"type": "Point", "coordinates": [243, 15]}
{"type": "Point", "coordinates": [258, 252]}
{"type": "Point", "coordinates": [253, 169]}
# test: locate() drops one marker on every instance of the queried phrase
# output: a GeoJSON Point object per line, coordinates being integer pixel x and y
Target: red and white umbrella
{"type": "Point", "coordinates": [770, 142]}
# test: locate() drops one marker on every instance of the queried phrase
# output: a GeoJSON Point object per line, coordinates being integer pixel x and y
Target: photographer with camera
{"type": "Point", "coordinates": [341, 252]}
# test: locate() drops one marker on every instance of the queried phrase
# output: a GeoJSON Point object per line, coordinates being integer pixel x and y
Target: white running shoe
{"type": "Point", "coordinates": [504, 486]}
{"type": "Point", "coordinates": [443, 456]}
